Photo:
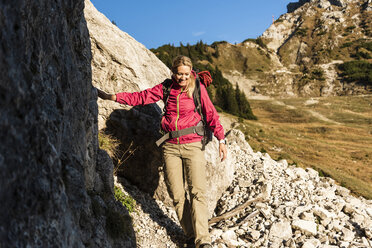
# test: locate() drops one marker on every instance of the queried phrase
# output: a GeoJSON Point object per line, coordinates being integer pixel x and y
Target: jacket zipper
{"type": "Point", "coordinates": [178, 112]}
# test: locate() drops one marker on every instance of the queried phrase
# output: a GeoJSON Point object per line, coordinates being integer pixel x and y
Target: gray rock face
{"type": "Point", "coordinates": [54, 183]}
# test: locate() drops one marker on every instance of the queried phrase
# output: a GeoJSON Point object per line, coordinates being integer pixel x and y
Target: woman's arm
{"type": "Point", "coordinates": [144, 97]}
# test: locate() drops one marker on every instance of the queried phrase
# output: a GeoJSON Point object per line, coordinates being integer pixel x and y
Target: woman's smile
{"type": "Point", "coordinates": [183, 74]}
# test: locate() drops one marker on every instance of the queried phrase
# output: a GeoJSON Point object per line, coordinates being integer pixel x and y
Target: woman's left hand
{"type": "Point", "coordinates": [223, 151]}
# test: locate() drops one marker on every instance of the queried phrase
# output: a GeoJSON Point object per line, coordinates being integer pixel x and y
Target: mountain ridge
{"type": "Point", "coordinates": [301, 53]}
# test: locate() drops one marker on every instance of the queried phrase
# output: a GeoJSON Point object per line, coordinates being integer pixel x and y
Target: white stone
{"type": "Point", "coordinates": [365, 241]}
{"type": "Point", "coordinates": [308, 244]}
{"type": "Point", "coordinates": [348, 208]}
{"type": "Point", "coordinates": [265, 212]}
{"type": "Point", "coordinates": [299, 210]}
{"type": "Point", "coordinates": [281, 230]}
{"type": "Point", "coordinates": [323, 213]}
{"type": "Point", "coordinates": [255, 235]}
{"type": "Point", "coordinates": [300, 173]}
{"type": "Point", "coordinates": [276, 243]}
{"type": "Point", "coordinates": [342, 191]}
{"type": "Point", "coordinates": [290, 172]}
{"type": "Point", "coordinates": [307, 216]}
{"type": "Point", "coordinates": [314, 242]}
{"type": "Point", "coordinates": [344, 244]}
{"type": "Point", "coordinates": [216, 232]}
{"type": "Point", "coordinates": [358, 218]}
{"type": "Point", "coordinates": [313, 174]}
{"type": "Point", "coordinates": [266, 190]}
{"type": "Point", "coordinates": [229, 235]}
{"type": "Point", "coordinates": [368, 231]}
{"type": "Point", "coordinates": [306, 227]}
{"type": "Point", "coordinates": [284, 163]}
{"type": "Point", "coordinates": [326, 222]}
{"type": "Point", "coordinates": [348, 235]}
{"type": "Point", "coordinates": [369, 212]}
{"type": "Point", "coordinates": [336, 225]}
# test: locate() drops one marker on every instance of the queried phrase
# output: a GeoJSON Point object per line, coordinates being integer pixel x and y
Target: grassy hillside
{"type": "Point", "coordinates": [332, 135]}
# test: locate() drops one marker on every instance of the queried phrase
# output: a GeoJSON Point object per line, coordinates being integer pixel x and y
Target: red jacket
{"type": "Point", "coordinates": [180, 112]}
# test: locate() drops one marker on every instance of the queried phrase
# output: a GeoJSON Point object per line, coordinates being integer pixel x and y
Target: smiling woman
{"type": "Point", "coordinates": [185, 126]}
{"type": "Point", "coordinates": [155, 23]}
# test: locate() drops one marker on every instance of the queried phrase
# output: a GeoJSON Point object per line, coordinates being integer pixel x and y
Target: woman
{"type": "Point", "coordinates": [183, 156]}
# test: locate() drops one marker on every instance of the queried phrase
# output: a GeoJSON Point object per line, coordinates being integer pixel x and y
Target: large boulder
{"type": "Point", "coordinates": [56, 187]}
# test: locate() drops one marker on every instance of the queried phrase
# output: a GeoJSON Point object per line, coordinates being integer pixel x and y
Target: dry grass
{"type": "Point", "coordinates": [336, 140]}
{"type": "Point", "coordinates": [112, 146]}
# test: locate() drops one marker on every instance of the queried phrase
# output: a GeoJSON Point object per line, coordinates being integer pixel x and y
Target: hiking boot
{"type": "Point", "coordinates": [190, 243]}
{"type": "Point", "coordinates": [205, 246]}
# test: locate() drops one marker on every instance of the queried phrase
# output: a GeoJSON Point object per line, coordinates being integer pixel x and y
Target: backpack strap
{"type": "Point", "coordinates": [197, 101]}
{"type": "Point", "coordinates": [197, 97]}
{"type": "Point", "coordinates": [166, 91]}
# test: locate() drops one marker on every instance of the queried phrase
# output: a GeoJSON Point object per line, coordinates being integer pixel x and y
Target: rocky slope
{"type": "Point", "coordinates": [285, 206]}
{"type": "Point", "coordinates": [56, 185]}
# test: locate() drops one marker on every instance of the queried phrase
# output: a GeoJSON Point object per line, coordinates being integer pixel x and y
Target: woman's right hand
{"type": "Point", "coordinates": [105, 96]}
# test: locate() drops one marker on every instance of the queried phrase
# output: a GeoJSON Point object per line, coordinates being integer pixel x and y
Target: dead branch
{"type": "Point", "coordinates": [235, 211]}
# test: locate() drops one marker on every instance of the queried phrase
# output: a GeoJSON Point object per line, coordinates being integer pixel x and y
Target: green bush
{"type": "Point", "coordinates": [347, 44]}
{"type": "Point", "coordinates": [357, 71]}
{"type": "Point", "coordinates": [350, 29]}
{"type": "Point", "coordinates": [214, 44]}
{"type": "Point", "coordinates": [318, 74]}
{"type": "Point", "coordinates": [367, 45]}
{"type": "Point", "coordinates": [363, 55]}
{"type": "Point", "coordinates": [128, 202]}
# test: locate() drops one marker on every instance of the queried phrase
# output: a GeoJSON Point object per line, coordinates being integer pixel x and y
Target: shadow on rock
{"type": "Point", "coordinates": [137, 130]}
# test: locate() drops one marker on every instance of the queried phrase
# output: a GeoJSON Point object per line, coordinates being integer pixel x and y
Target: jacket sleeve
{"type": "Point", "coordinates": [211, 114]}
{"type": "Point", "coordinates": [144, 97]}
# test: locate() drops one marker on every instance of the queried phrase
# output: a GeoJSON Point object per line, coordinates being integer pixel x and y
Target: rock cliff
{"type": "Point", "coordinates": [56, 186]}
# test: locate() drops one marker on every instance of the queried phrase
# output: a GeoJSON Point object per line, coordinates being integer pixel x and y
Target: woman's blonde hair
{"type": "Point", "coordinates": [183, 60]}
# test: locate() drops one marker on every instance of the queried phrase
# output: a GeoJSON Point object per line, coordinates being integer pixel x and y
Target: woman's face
{"type": "Point", "coordinates": [182, 75]}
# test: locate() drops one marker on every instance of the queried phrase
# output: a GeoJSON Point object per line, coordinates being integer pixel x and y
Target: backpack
{"type": "Point", "coordinates": [202, 128]}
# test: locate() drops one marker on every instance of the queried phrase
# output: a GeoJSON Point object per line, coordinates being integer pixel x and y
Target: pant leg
{"type": "Point", "coordinates": [174, 179]}
{"type": "Point", "coordinates": [195, 163]}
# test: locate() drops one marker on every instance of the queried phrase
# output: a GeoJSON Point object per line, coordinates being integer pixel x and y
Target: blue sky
{"type": "Point", "coordinates": [155, 23]}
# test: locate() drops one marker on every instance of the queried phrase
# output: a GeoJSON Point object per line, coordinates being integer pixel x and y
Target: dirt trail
{"type": "Point", "coordinates": [312, 112]}
{"type": "Point", "coordinates": [322, 117]}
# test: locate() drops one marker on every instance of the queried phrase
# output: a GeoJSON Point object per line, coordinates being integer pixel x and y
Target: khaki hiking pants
{"type": "Point", "coordinates": [186, 162]}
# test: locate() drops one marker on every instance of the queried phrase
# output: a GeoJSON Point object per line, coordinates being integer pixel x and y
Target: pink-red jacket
{"type": "Point", "coordinates": [180, 112]}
